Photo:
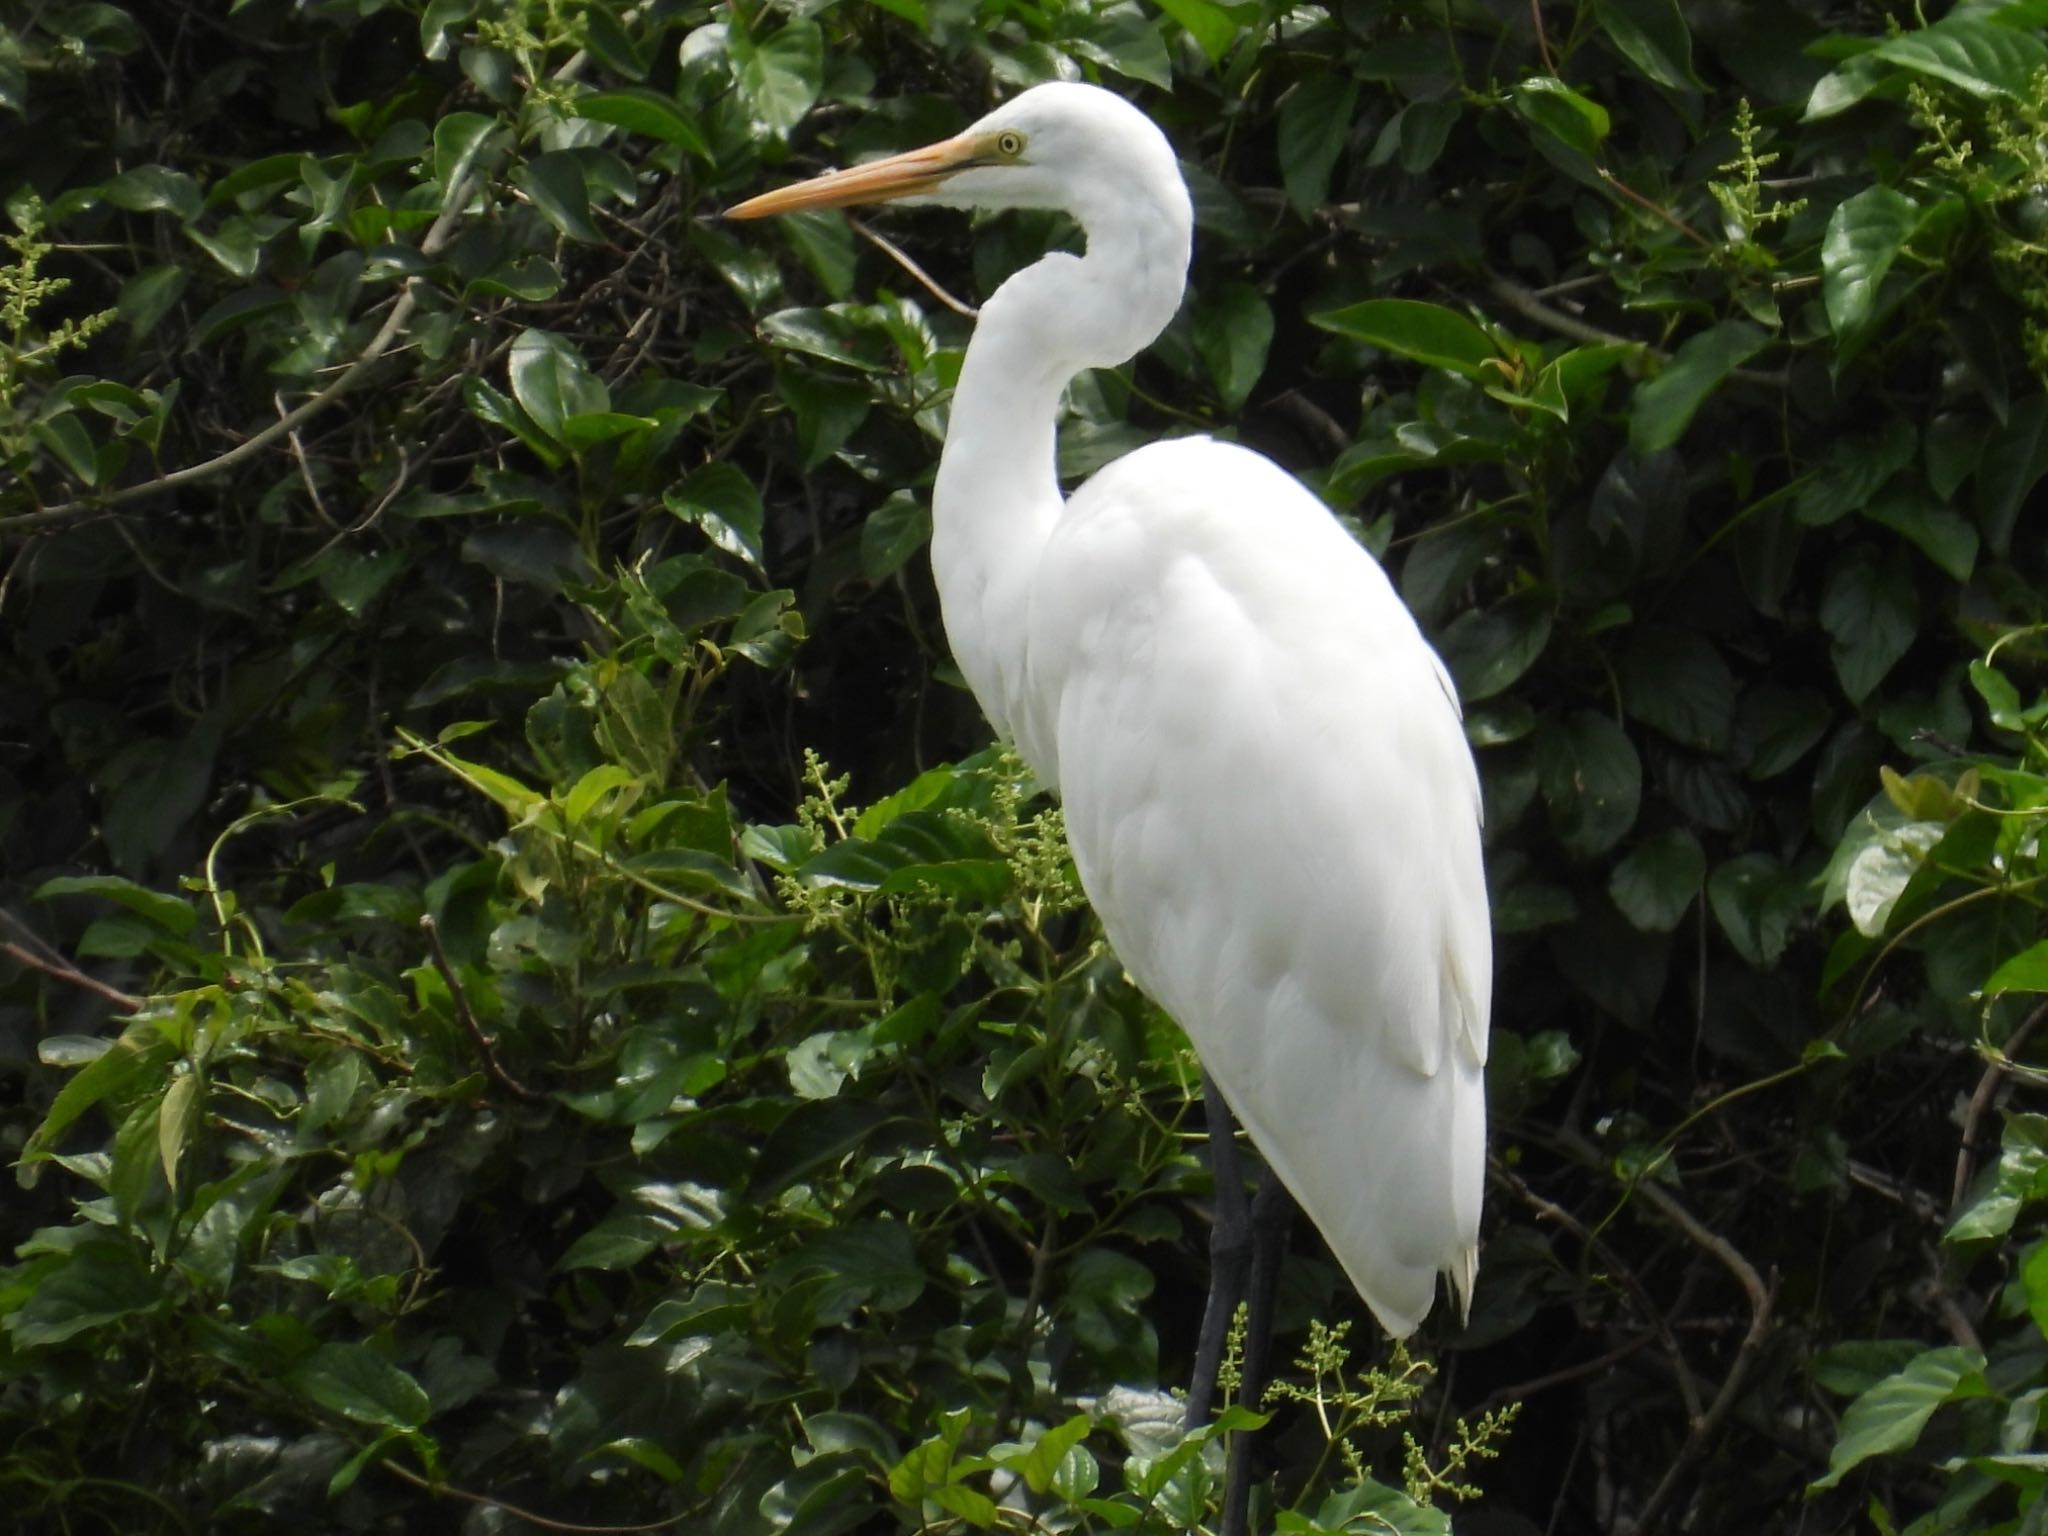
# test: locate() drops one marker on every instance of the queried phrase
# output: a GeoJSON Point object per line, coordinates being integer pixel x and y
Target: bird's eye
{"type": "Point", "coordinates": [1009, 143]}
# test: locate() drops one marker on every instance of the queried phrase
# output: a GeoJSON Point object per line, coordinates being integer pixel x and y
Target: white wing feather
{"type": "Point", "coordinates": [1274, 810]}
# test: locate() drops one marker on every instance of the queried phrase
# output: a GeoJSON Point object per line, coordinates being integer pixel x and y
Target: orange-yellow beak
{"type": "Point", "coordinates": [878, 181]}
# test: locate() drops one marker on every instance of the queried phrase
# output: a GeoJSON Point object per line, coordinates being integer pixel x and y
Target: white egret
{"type": "Point", "coordinates": [1268, 792]}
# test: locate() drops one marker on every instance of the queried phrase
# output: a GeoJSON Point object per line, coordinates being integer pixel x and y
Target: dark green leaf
{"type": "Point", "coordinates": [551, 381]}
{"type": "Point", "coordinates": [1664, 406]}
{"type": "Point", "coordinates": [1428, 333]}
{"type": "Point", "coordinates": [723, 502]}
{"type": "Point", "coordinates": [1315, 120]}
{"type": "Point", "coordinates": [644, 112]}
{"type": "Point", "coordinates": [355, 1381]}
{"type": "Point", "coordinates": [1652, 35]}
{"type": "Point", "coordinates": [1985, 59]}
{"type": "Point", "coordinates": [1658, 880]}
{"type": "Point", "coordinates": [1871, 612]}
{"type": "Point", "coordinates": [780, 76]}
{"type": "Point", "coordinates": [1890, 1416]}
{"type": "Point", "coordinates": [1233, 329]}
{"type": "Point", "coordinates": [1574, 119]}
{"type": "Point", "coordinates": [1865, 234]}
{"type": "Point", "coordinates": [1487, 649]}
{"type": "Point", "coordinates": [1592, 780]}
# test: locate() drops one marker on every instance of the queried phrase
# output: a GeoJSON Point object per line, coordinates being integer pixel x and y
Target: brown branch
{"type": "Point", "coordinates": [484, 1044]}
{"type": "Point", "coordinates": [1760, 1294]}
{"type": "Point", "coordinates": [1652, 206]}
{"type": "Point", "coordinates": [1980, 1105]}
{"type": "Point", "coordinates": [38, 956]}
{"type": "Point", "coordinates": [1526, 303]}
{"type": "Point", "coordinates": [902, 258]}
{"type": "Point", "coordinates": [406, 1474]}
{"type": "Point", "coordinates": [1542, 40]}
{"type": "Point", "coordinates": [1562, 1376]}
{"type": "Point", "coordinates": [1652, 1315]}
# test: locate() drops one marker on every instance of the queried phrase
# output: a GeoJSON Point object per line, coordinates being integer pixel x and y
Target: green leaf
{"type": "Point", "coordinates": [1126, 40]}
{"type": "Point", "coordinates": [1854, 470]}
{"type": "Point", "coordinates": [723, 502]}
{"type": "Point", "coordinates": [551, 381]}
{"type": "Point", "coordinates": [1983, 58]}
{"type": "Point", "coordinates": [2026, 971]}
{"type": "Point", "coordinates": [2034, 1278]}
{"type": "Point", "coordinates": [1940, 532]}
{"type": "Point", "coordinates": [173, 913]}
{"type": "Point", "coordinates": [1486, 649]}
{"type": "Point", "coordinates": [1428, 333]}
{"type": "Point", "coordinates": [1233, 328]}
{"type": "Point", "coordinates": [1757, 903]}
{"type": "Point", "coordinates": [1865, 234]}
{"type": "Point", "coordinates": [645, 112]}
{"type": "Point", "coordinates": [1664, 406]}
{"type": "Point", "coordinates": [1774, 728]}
{"type": "Point", "coordinates": [148, 296]}
{"type": "Point", "coordinates": [2013, 463]}
{"type": "Point", "coordinates": [1591, 779]}
{"type": "Point", "coordinates": [555, 184]}
{"type": "Point", "coordinates": [1657, 882]}
{"type": "Point", "coordinates": [1675, 681]}
{"type": "Point", "coordinates": [140, 1051]}
{"type": "Point", "coordinates": [460, 139]}
{"type": "Point", "coordinates": [154, 188]}
{"type": "Point", "coordinates": [2001, 698]}
{"type": "Point", "coordinates": [1890, 1416]}
{"type": "Point", "coordinates": [1651, 35]}
{"type": "Point", "coordinates": [356, 1382]}
{"type": "Point", "coordinates": [95, 1284]}
{"type": "Point", "coordinates": [618, 1242]}
{"type": "Point", "coordinates": [1209, 25]}
{"type": "Point", "coordinates": [780, 76]}
{"type": "Point", "coordinates": [1315, 121]}
{"type": "Point", "coordinates": [1871, 612]}
{"type": "Point", "coordinates": [1550, 105]}
{"type": "Point", "coordinates": [184, 1103]}
{"type": "Point", "coordinates": [893, 532]}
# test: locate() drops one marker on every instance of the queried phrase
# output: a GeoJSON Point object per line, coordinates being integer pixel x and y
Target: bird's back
{"type": "Point", "coordinates": [1273, 808]}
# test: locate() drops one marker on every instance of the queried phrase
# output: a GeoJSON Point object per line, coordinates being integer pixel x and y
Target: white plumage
{"type": "Point", "coordinates": [1268, 792]}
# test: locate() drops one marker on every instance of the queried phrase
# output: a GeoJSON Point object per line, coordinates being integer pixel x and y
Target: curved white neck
{"type": "Point", "coordinates": [998, 495]}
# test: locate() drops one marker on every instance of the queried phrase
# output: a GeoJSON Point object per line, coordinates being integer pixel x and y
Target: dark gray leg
{"type": "Point", "coordinates": [1245, 1248]}
{"type": "Point", "coordinates": [1271, 1214]}
{"type": "Point", "coordinates": [1230, 1253]}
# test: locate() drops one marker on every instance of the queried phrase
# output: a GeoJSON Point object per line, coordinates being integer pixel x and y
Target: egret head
{"type": "Point", "coordinates": [1060, 145]}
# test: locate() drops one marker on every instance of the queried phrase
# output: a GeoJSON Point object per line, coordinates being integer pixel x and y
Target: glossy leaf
{"type": "Point", "coordinates": [1864, 236]}
{"type": "Point", "coordinates": [1890, 1415]}
{"type": "Point", "coordinates": [1664, 406]}
{"type": "Point", "coordinates": [1428, 333]}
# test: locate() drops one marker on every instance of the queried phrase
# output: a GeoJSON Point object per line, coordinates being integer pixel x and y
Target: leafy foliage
{"type": "Point", "coordinates": [467, 1040]}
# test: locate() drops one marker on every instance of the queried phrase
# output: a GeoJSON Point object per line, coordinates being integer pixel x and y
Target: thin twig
{"type": "Point", "coordinates": [305, 469]}
{"type": "Point", "coordinates": [1542, 41]}
{"type": "Point", "coordinates": [1651, 205]}
{"type": "Point", "coordinates": [406, 1474]}
{"type": "Point", "coordinates": [484, 1044]}
{"type": "Point", "coordinates": [70, 973]}
{"type": "Point", "coordinates": [1980, 1105]}
{"type": "Point", "coordinates": [901, 257]}
{"type": "Point", "coordinates": [1525, 302]}
{"type": "Point", "coordinates": [37, 955]}
{"type": "Point", "coordinates": [1653, 1317]}
{"type": "Point", "coordinates": [1562, 1376]}
{"type": "Point", "coordinates": [1754, 1286]}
